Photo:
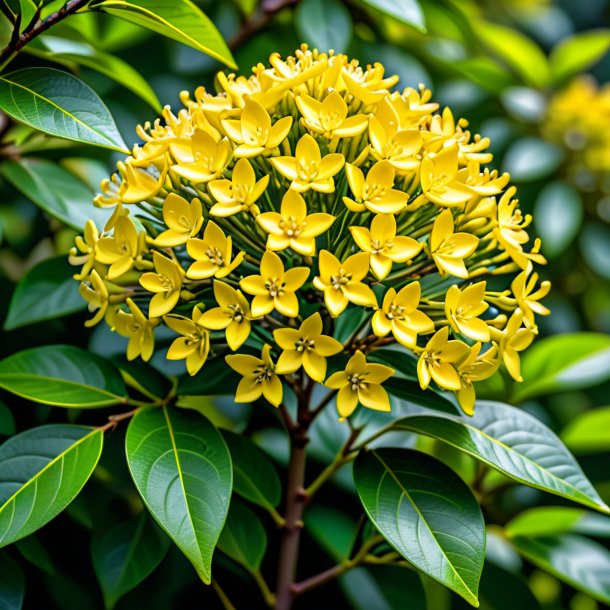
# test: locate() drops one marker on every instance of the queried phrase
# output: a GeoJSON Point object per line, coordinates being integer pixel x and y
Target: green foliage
{"type": "Point", "coordinates": [12, 583]}
{"type": "Point", "coordinates": [325, 24]}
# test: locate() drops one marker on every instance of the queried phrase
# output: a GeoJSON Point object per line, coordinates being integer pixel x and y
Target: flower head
{"type": "Point", "coordinates": [139, 329]}
{"type": "Point", "coordinates": [194, 344]}
{"type": "Point", "coordinates": [450, 249]}
{"type": "Point", "coordinates": [166, 283]}
{"type": "Point", "coordinates": [183, 219]}
{"type": "Point", "coordinates": [122, 250]}
{"type": "Point", "coordinates": [463, 308]}
{"type": "Point", "coordinates": [439, 361]}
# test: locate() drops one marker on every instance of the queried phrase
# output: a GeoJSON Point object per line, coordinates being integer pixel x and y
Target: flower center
{"type": "Point", "coordinates": [235, 312]}
{"type": "Point", "coordinates": [356, 381]}
{"type": "Point", "coordinates": [275, 287]}
{"type": "Point", "coordinates": [215, 256]}
{"type": "Point", "coordinates": [379, 247]}
{"type": "Point", "coordinates": [304, 345]}
{"type": "Point", "coordinates": [262, 373]}
{"type": "Point", "coordinates": [340, 279]}
{"type": "Point", "coordinates": [291, 226]}
{"type": "Point", "coordinates": [307, 170]}
{"type": "Point", "coordinates": [396, 312]}
{"type": "Point", "coordinates": [374, 191]}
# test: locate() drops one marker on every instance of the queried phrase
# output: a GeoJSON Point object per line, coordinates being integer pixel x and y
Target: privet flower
{"type": "Point", "coordinates": [310, 201]}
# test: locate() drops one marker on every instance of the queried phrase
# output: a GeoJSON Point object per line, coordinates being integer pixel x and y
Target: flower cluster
{"type": "Point", "coordinates": [254, 221]}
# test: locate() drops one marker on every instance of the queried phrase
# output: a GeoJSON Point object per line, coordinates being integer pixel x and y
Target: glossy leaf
{"type": "Point", "coordinates": [578, 53]}
{"type": "Point", "coordinates": [64, 376]}
{"type": "Point", "coordinates": [126, 554]}
{"type": "Point", "coordinates": [59, 104]}
{"type": "Point", "coordinates": [41, 472]}
{"type": "Point", "coordinates": [254, 476]}
{"type": "Point", "coordinates": [516, 444]}
{"type": "Point", "coordinates": [589, 432]}
{"type": "Point", "coordinates": [12, 583]}
{"type": "Point", "coordinates": [182, 469]}
{"type": "Point", "coordinates": [215, 379]}
{"type": "Point", "coordinates": [243, 537]}
{"type": "Point", "coordinates": [143, 377]}
{"type": "Point", "coordinates": [551, 520]}
{"type": "Point", "coordinates": [582, 563]}
{"type": "Point", "coordinates": [570, 361]}
{"type": "Point", "coordinates": [324, 24]}
{"type": "Point", "coordinates": [46, 292]}
{"type": "Point", "coordinates": [427, 513]}
{"type": "Point", "coordinates": [407, 11]}
{"type": "Point", "coordinates": [56, 190]}
{"type": "Point", "coordinates": [180, 20]}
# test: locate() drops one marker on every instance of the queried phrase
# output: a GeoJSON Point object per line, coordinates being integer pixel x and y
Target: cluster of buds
{"type": "Point", "coordinates": [253, 220]}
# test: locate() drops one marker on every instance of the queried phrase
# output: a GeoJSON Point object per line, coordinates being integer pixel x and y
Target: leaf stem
{"type": "Point", "coordinates": [224, 600]}
{"type": "Point", "coordinates": [268, 596]}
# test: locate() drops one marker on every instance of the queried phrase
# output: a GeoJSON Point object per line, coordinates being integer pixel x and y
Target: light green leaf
{"type": "Point", "coordinates": [254, 476]}
{"type": "Point", "coordinates": [578, 53]}
{"type": "Point", "coordinates": [41, 472]}
{"type": "Point", "coordinates": [56, 190]}
{"type": "Point", "coordinates": [564, 362]}
{"type": "Point", "coordinates": [180, 20]}
{"type": "Point", "coordinates": [324, 24]}
{"type": "Point", "coordinates": [243, 537]}
{"type": "Point", "coordinates": [28, 10]}
{"type": "Point", "coordinates": [126, 554]}
{"type": "Point", "coordinates": [46, 292]}
{"type": "Point", "coordinates": [182, 469]}
{"type": "Point", "coordinates": [64, 376]}
{"type": "Point", "coordinates": [552, 520]}
{"type": "Point", "coordinates": [485, 72]}
{"type": "Point", "coordinates": [582, 563]}
{"type": "Point", "coordinates": [516, 444]}
{"type": "Point", "coordinates": [407, 11]}
{"type": "Point", "coordinates": [59, 104]}
{"type": "Point", "coordinates": [12, 583]}
{"type": "Point", "coordinates": [427, 513]}
{"type": "Point", "coordinates": [589, 432]}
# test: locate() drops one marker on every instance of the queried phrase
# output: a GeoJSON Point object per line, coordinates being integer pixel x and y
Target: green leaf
{"type": "Point", "coordinates": [28, 10]}
{"type": "Point", "coordinates": [530, 158]}
{"type": "Point", "coordinates": [64, 376]}
{"type": "Point", "coordinates": [484, 72]}
{"type": "Point", "coordinates": [36, 553]}
{"type": "Point", "coordinates": [582, 563]}
{"type": "Point", "coordinates": [46, 292]}
{"type": "Point", "coordinates": [59, 104]}
{"type": "Point", "coordinates": [324, 24]}
{"type": "Point", "coordinates": [143, 377]}
{"type": "Point", "coordinates": [578, 53]}
{"type": "Point", "coordinates": [551, 520]}
{"type": "Point", "coordinates": [12, 584]}
{"type": "Point", "coordinates": [62, 50]}
{"type": "Point", "coordinates": [589, 432]}
{"type": "Point", "coordinates": [516, 444]}
{"type": "Point", "coordinates": [215, 379]}
{"type": "Point", "coordinates": [406, 11]}
{"type": "Point", "coordinates": [564, 362]}
{"type": "Point", "coordinates": [427, 513]}
{"type": "Point", "coordinates": [332, 529]}
{"type": "Point", "coordinates": [254, 476]}
{"type": "Point", "coordinates": [180, 20]}
{"type": "Point", "coordinates": [503, 590]}
{"type": "Point", "coordinates": [243, 537]}
{"type": "Point", "coordinates": [56, 190]}
{"type": "Point", "coordinates": [517, 50]}
{"type": "Point", "coordinates": [41, 472]}
{"type": "Point", "coordinates": [7, 422]}
{"type": "Point", "coordinates": [182, 469]}
{"type": "Point", "coordinates": [126, 554]}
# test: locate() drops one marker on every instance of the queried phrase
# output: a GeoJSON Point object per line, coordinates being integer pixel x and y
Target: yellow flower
{"type": "Point", "coordinates": [194, 344]}
{"type": "Point", "coordinates": [475, 367]}
{"type": "Point", "coordinates": [212, 254]}
{"type": "Point", "coordinates": [254, 132]}
{"type": "Point", "coordinates": [122, 249]}
{"type": "Point", "coordinates": [183, 220]}
{"type": "Point", "coordinates": [384, 246]}
{"type": "Point", "coordinates": [463, 308]}
{"type": "Point", "coordinates": [94, 291]}
{"type": "Point", "coordinates": [233, 315]}
{"type": "Point", "coordinates": [329, 117]}
{"type": "Point", "coordinates": [259, 377]}
{"type": "Point", "coordinates": [86, 245]}
{"type": "Point", "coordinates": [513, 339]}
{"type": "Point", "coordinates": [527, 299]}
{"type": "Point", "coordinates": [400, 316]}
{"type": "Point", "coordinates": [341, 283]}
{"type": "Point", "coordinates": [139, 329]}
{"type": "Point", "coordinates": [449, 249]}
{"type": "Point", "coordinates": [165, 283]}
{"type": "Point", "coordinates": [275, 288]}
{"type": "Point", "coordinates": [439, 359]}
{"type": "Point", "coordinates": [375, 193]}
{"type": "Point", "coordinates": [238, 194]}
{"type": "Point", "coordinates": [306, 347]}
{"type": "Point", "coordinates": [308, 169]}
{"type": "Point", "coordinates": [141, 183]}
{"type": "Point", "coordinates": [207, 159]}
{"type": "Point", "coordinates": [439, 175]}
{"type": "Point", "coordinates": [293, 227]}
{"type": "Point", "coordinates": [360, 382]}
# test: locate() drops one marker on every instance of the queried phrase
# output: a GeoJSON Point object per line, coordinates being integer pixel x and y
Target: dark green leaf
{"type": "Point", "coordinates": [582, 563]}
{"type": "Point", "coordinates": [64, 376]}
{"type": "Point", "coordinates": [182, 469]}
{"type": "Point", "coordinates": [179, 20]}
{"type": "Point", "coordinates": [332, 529]}
{"type": "Point", "coordinates": [143, 377]}
{"type": "Point", "coordinates": [502, 590]}
{"type": "Point", "coordinates": [243, 537]}
{"type": "Point", "coordinates": [7, 422]}
{"type": "Point", "coordinates": [126, 554]}
{"type": "Point", "coordinates": [551, 520]}
{"type": "Point", "coordinates": [36, 553]}
{"type": "Point", "coordinates": [516, 444]}
{"type": "Point", "coordinates": [59, 104]}
{"type": "Point", "coordinates": [215, 379]}
{"type": "Point", "coordinates": [254, 476]}
{"type": "Point", "coordinates": [578, 53]}
{"type": "Point", "coordinates": [427, 513]}
{"type": "Point", "coordinates": [12, 584]}
{"type": "Point", "coordinates": [589, 432]}
{"type": "Point", "coordinates": [324, 24]}
{"type": "Point", "coordinates": [47, 291]}
{"type": "Point", "coordinates": [41, 472]}
{"type": "Point", "coordinates": [407, 11]}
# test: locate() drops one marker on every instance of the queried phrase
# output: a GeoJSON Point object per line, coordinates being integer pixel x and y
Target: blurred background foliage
{"type": "Point", "coordinates": [530, 74]}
